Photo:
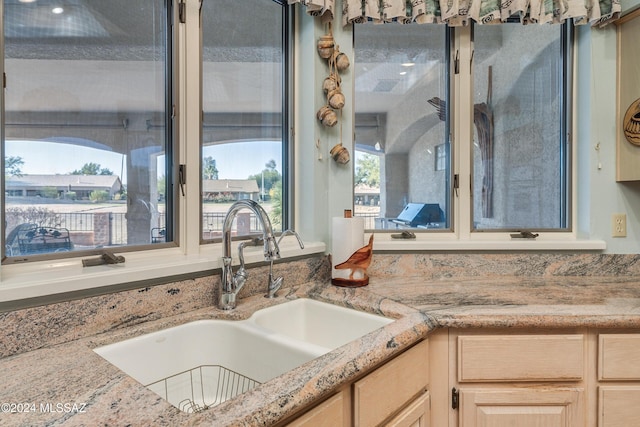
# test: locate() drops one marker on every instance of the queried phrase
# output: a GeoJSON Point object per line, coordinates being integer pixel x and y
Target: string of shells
{"type": "Point", "coordinates": [338, 62]}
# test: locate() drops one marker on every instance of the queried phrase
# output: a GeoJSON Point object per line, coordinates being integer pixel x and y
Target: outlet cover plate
{"type": "Point", "coordinates": [619, 225]}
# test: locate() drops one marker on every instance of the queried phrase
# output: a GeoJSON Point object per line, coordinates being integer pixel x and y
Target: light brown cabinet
{"type": "Point", "coordinates": [417, 414]}
{"type": "Point", "coordinates": [574, 378]}
{"type": "Point", "coordinates": [394, 394]}
{"type": "Point", "coordinates": [383, 392]}
{"type": "Point", "coordinates": [532, 407]}
{"type": "Point", "coordinates": [333, 412]}
{"type": "Point", "coordinates": [497, 358]}
{"type": "Point", "coordinates": [618, 406]}
{"type": "Point", "coordinates": [618, 379]}
{"type": "Point", "coordinates": [470, 378]}
{"type": "Point", "coordinates": [523, 379]}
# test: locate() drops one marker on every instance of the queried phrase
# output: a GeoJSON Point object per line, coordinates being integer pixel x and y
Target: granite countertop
{"type": "Point", "coordinates": [81, 388]}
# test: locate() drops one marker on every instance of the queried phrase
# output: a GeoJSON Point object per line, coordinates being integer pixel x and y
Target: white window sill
{"type": "Point", "coordinates": [502, 242]}
{"type": "Point", "coordinates": [41, 279]}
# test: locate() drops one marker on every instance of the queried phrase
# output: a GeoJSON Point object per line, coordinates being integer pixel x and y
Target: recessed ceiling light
{"type": "Point", "coordinates": [408, 64]}
{"type": "Point", "coordinates": [402, 73]}
{"type": "Point", "coordinates": [27, 1]}
{"type": "Point", "coordinates": [57, 10]}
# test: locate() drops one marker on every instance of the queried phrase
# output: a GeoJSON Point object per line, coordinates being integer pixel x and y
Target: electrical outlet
{"type": "Point", "coordinates": [619, 225]}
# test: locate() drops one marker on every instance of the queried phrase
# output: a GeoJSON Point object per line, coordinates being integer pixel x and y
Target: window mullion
{"type": "Point", "coordinates": [463, 131]}
{"type": "Point", "coordinates": [190, 129]}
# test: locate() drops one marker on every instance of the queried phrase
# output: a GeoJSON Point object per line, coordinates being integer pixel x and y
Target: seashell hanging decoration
{"type": "Point", "coordinates": [340, 154]}
{"type": "Point", "coordinates": [330, 83]}
{"type": "Point", "coordinates": [326, 46]}
{"type": "Point", "coordinates": [327, 116]}
{"type": "Point", "coordinates": [340, 60]}
{"type": "Point", "coordinates": [336, 98]}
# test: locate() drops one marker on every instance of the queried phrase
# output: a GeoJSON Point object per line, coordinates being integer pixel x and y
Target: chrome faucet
{"type": "Point", "coordinates": [231, 284]}
{"type": "Point", "coordinates": [274, 284]}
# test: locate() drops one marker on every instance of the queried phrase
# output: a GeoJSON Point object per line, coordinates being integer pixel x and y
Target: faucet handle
{"type": "Point", "coordinates": [273, 286]}
{"type": "Point", "coordinates": [271, 249]}
{"type": "Point", "coordinates": [253, 242]}
{"type": "Point", "coordinates": [290, 231]}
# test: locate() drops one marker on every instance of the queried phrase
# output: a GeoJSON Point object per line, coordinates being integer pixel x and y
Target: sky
{"type": "Point", "coordinates": [233, 160]}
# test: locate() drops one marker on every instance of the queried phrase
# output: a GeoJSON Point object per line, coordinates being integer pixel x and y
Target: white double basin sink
{"type": "Point", "coordinates": [203, 363]}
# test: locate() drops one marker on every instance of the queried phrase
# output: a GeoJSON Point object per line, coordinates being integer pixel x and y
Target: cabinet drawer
{"type": "Point", "coordinates": [330, 413]}
{"type": "Point", "coordinates": [489, 358]}
{"type": "Point", "coordinates": [390, 387]}
{"type": "Point", "coordinates": [619, 357]}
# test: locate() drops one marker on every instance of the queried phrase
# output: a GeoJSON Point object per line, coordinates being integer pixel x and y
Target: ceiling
{"type": "Point", "coordinates": [113, 32]}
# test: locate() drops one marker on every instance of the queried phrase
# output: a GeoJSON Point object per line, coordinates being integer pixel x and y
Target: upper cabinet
{"type": "Point", "coordinates": [628, 123]}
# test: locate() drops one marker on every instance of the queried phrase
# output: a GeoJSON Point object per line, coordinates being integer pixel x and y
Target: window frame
{"type": "Point", "coordinates": [447, 142]}
{"type": "Point", "coordinates": [567, 157]}
{"type": "Point", "coordinates": [460, 130]}
{"type": "Point", "coordinates": [171, 20]}
{"type": "Point", "coordinates": [41, 282]}
{"type": "Point", "coordinates": [287, 154]}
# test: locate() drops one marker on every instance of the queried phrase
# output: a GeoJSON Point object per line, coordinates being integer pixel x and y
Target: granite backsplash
{"type": "Point", "coordinates": [32, 328]}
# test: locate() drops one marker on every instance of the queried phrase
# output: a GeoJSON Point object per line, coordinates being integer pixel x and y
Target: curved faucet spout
{"type": "Point", "coordinates": [271, 249]}
{"type": "Point", "coordinates": [230, 283]}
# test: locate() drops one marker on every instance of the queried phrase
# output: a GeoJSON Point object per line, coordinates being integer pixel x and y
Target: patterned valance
{"type": "Point", "coordinates": [460, 12]}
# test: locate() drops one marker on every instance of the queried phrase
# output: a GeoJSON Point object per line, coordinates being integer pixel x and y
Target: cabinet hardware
{"type": "Point", "coordinates": [182, 12]}
{"type": "Point", "coordinates": [105, 258]}
{"type": "Point", "coordinates": [456, 63]}
{"type": "Point", "coordinates": [524, 235]}
{"type": "Point", "coordinates": [182, 177]}
{"type": "Point", "coordinates": [455, 398]}
{"type": "Point", "coordinates": [456, 183]}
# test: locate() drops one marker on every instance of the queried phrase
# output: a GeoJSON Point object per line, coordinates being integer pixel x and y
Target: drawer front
{"type": "Point", "coordinates": [330, 413]}
{"type": "Point", "coordinates": [390, 387]}
{"type": "Point", "coordinates": [489, 358]}
{"type": "Point", "coordinates": [618, 357]}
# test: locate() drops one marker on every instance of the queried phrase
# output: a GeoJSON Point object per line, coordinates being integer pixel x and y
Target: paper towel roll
{"type": "Point", "coordinates": [347, 236]}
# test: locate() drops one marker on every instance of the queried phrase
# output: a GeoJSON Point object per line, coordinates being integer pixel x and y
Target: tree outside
{"type": "Point", "coordinates": [368, 170]}
{"type": "Point", "coordinates": [92, 169]}
{"type": "Point", "coordinates": [209, 170]}
{"type": "Point", "coordinates": [269, 176]}
{"type": "Point", "coordinates": [13, 166]}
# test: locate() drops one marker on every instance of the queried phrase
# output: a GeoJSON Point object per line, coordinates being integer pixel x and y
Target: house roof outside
{"type": "Point", "coordinates": [230, 186]}
{"type": "Point", "coordinates": [63, 181]}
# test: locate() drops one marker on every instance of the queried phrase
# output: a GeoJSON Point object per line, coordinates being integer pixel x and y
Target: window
{"type": "Point", "coordinates": [244, 142]}
{"type": "Point", "coordinates": [516, 151]}
{"type": "Point", "coordinates": [87, 130]}
{"type": "Point", "coordinates": [520, 148]}
{"type": "Point", "coordinates": [401, 126]}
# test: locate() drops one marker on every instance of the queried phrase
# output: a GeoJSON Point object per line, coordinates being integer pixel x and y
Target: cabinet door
{"type": "Point", "coordinates": [522, 407]}
{"type": "Point", "coordinates": [618, 406]}
{"type": "Point", "coordinates": [415, 415]}
{"type": "Point", "coordinates": [618, 357]}
{"type": "Point", "coordinates": [330, 413]}
{"type": "Point", "coordinates": [389, 388]}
